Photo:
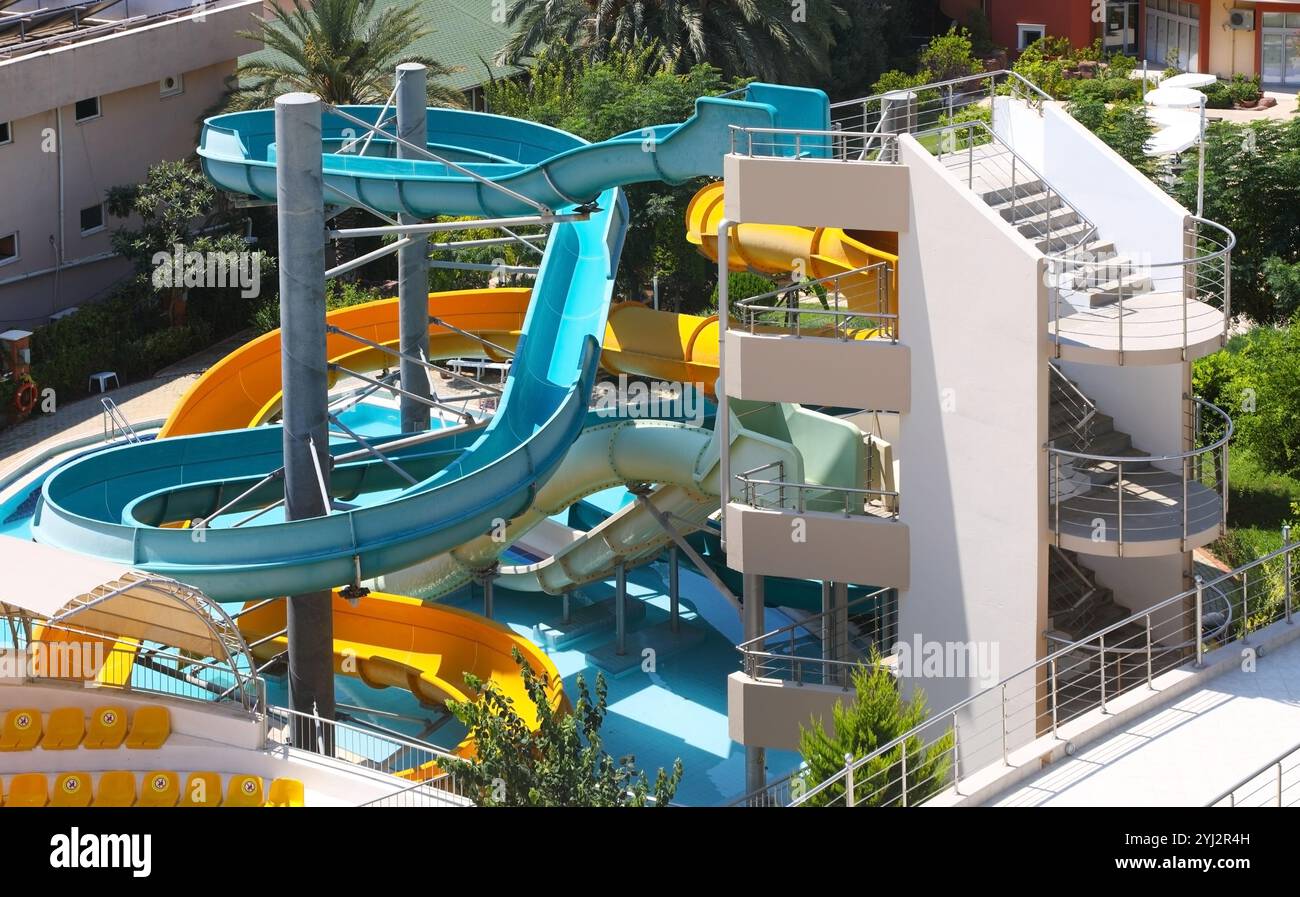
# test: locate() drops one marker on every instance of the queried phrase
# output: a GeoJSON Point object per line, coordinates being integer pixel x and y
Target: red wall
{"type": "Point", "coordinates": [1063, 18]}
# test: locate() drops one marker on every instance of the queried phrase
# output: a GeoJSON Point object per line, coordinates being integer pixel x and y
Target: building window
{"type": "Point", "coordinates": [9, 248]}
{"type": "Point", "coordinates": [171, 85]}
{"type": "Point", "coordinates": [1174, 34]}
{"type": "Point", "coordinates": [85, 110]}
{"type": "Point", "coordinates": [1027, 34]}
{"type": "Point", "coordinates": [92, 219]}
{"type": "Point", "coordinates": [1121, 30]}
{"type": "Point", "coordinates": [6, 132]}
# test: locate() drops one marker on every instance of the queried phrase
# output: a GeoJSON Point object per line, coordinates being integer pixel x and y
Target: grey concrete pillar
{"type": "Point", "coordinates": [301, 217]}
{"type": "Point", "coordinates": [413, 260]}
{"type": "Point", "coordinates": [828, 619]}
{"type": "Point", "coordinates": [566, 612]}
{"type": "Point", "coordinates": [488, 596]}
{"type": "Point", "coordinates": [674, 589]}
{"type": "Point", "coordinates": [841, 621]}
{"type": "Point", "coordinates": [620, 610]}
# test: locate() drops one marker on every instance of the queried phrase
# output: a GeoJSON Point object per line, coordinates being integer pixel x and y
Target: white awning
{"type": "Point", "coordinates": [48, 584]}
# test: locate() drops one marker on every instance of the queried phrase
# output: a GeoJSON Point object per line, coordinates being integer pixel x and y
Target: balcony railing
{"type": "Point", "coordinates": [1125, 499]}
{"type": "Point", "coordinates": [774, 493]}
{"type": "Point", "coordinates": [835, 145]}
{"type": "Point", "coordinates": [1275, 784]}
{"type": "Point", "coordinates": [1036, 702]}
{"type": "Point", "coordinates": [820, 649]}
{"type": "Point", "coordinates": [851, 305]}
{"type": "Point", "coordinates": [1131, 305]}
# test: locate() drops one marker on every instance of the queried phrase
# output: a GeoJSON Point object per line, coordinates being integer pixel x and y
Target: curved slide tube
{"type": "Point", "coordinates": [681, 460]}
{"type": "Point", "coordinates": [115, 504]}
{"type": "Point", "coordinates": [779, 249]}
{"type": "Point", "coordinates": [391, 641]}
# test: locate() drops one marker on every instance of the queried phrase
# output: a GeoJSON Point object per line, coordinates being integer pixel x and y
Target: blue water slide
{"type": "Point", "coordinates": [114, 504]}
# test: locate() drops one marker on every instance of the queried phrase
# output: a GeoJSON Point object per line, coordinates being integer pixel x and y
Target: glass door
{"type": "Point", "coordinates": [1280, 48]}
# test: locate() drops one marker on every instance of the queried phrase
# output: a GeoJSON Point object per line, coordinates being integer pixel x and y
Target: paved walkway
{"type": "Point", "coordinates": [1186, 753]}
{"type": "Point", "coordinates": [1285, 108]}
{"type": "Point", "coordinates": [140, 401]}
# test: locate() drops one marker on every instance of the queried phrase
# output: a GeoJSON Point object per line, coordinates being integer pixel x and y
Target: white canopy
{"type": "Point", "coordinates": [1189, 80]}
{"type": "Point", "coordinates": [50, 585]}
{"type": "Point", "coordinates": [1175, 97]}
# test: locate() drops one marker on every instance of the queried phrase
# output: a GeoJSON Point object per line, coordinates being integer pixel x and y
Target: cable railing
{"type": "Point", "coordinates": [1030, 203]}
{"type": "Point", "coordinates": [836, 144]}
{"type": "Point", "coordinates": [1078, 411]}
{"type": "Point", "coordinates": [935, 105]}
{"type": "Point", "coordinates": [1133, 498]}
{"type": "Point", "coordinates": [1125, 305]}
{"type": "Point", "coordinates": [853, 304]}
{"type": "Point", "coordinates": [778, 494]}
{"type": "Point", "coordinates": [115, 422]}
{"type": "Point", "coordinates": [423, 765]}
{"type": "Point", "coordinates": [824, 648]}
{"type": "Point", "coordinates": [1275, 784]}
{"type": "Point", "coordinates": [1077, 679]}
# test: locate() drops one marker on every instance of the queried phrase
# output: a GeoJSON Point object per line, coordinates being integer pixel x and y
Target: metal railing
{"type": "Point", "coordinates": [935, 105]}
{"type": "Point", "coordinates": [1136, 498]}
{"type": "Point", "coordinates": [824, 648]}
{"type": "Point", "coordinates": [1082, 677]}
{"type": "Point", "coordinates": [987, 165]}
{"type": "Point", "coordinates": [115, 422]}
{"type": "Point", "coordinates": [850, 305]}
{"type": "Point", "coordinates": [1080, 410]}
{"type": "Point", "coordinates": [1275, 784]}
{"type": "Point", "coordinates": [781, 495]}
{"type": "Point", "coordinates": [1142, 305]}
{"type": "Point", "coordinates": [422, 765]}
{"type": "Point", "coordinates": [837, 144]}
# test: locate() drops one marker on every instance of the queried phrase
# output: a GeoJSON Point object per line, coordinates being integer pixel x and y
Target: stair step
{"type": "Point", "coordinates": [1004, 194]}
{"type": "Point", "coordinates": [1064, 240]}
{"type": "Point", "coordinates": [1052, 222]}
{"type": "Point", "coordinates": [1110, 292]}
{"type": "Point", "coordinates": [1017, 209]}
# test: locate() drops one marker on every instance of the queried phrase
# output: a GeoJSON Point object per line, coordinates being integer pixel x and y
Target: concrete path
{"type": "Point", "coordinates": [1186, 753]}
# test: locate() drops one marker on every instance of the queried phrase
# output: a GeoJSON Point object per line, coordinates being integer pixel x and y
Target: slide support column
{"type": "Point", "coordinates": [674, 589]}
{"type": "Point", "coordinates": [752, 618]}
{"type": "Point", "coordinates": [723, 424]}
{"type": "Point", "coordinates": [620, 610]}
{"type": "Point", "coordinates": [301, 221]}
{"type": "Point", "coordinates": [413, 259]}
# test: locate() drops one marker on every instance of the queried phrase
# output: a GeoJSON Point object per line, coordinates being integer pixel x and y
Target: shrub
{"type": "Point", "coordinates": [741, 285]}
{"type": "Point", "coordinates": [1217, 96]}
{"type": "Point", "coordinates": [1243, 89]}
{"type": "Point", "coordinates": [338, 294]}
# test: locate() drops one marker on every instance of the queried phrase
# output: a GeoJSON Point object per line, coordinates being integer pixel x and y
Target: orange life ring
{"type": "Point", "coordinates": [25, 398]}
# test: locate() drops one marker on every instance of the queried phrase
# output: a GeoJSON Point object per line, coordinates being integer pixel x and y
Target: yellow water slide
{"type": "Point", "coordinates": [818, 252]}
{"type": "Point", "coordinates": [391, 641]}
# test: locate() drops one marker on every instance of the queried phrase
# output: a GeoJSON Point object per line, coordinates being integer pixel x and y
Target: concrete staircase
{"type": "Point", "coordinates": [1074, 423]}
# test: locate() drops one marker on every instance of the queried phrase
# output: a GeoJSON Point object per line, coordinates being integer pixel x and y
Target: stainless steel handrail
{"type": "Point", "coordinates": [1149, 459]}
{"type": "Point", "coordinates": [1013, 76]}
{"type": "Point", "coordinates": [883, 273]}
{"type": "Point", "coordinates": [1231, 794]}
{"type": "Point", "coordinates": [751, 496]}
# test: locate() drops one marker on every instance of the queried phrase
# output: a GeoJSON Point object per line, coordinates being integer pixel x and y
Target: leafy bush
{"type": "Point", "coordinates": [741, 285]}
{"type": "Point", "coordinates": [1244, 89]}
{"type": "Point", "coordinates": [1267, 380]}
{"type": "Point", "coordinates": [1217, 96]}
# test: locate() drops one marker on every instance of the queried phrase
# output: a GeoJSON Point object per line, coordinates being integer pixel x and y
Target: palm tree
{"type": "Point", "coordinates": [340, 50]}
{"type": "Point", "coordinates": [769, 39]}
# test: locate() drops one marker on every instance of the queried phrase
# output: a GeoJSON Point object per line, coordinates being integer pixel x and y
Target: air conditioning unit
{"type": "Point", "coordinates": [1241, 19]}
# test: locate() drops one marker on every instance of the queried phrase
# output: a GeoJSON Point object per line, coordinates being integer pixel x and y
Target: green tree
{"type": "Point", "coordinates": [561, 764]}
{"type": "Point", "coordinates": [1266, 384]}
{"type": "Point", "coordinates": [1124, 126]}
{"type": "Point", "coordinates": [875, 38]}
{"type": "Point", "coordinates": [598, 99]}
{"type": "Point", "coordinates": [767, 39]}
{"type": "Point", "coordinates": [340, 50]}
{"type": "Point", "coordinates": [1252, 186]}
{"type": "Point", "coordinates": [877, 716]}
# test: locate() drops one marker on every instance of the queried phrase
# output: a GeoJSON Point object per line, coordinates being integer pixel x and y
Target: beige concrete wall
{"type": "Point", "coordinates": [808, 193]}
{"type": "Point", "coordinates": [1231, 52]}
{"type": "Point", "coordinates": [137, 128]}
{"type": "Point", "coordinates": [974, 303]}
{"type": "Point", "coordinates": [817, 545]}
{"type": "Point", "coordinates": [848, 373]}
{"type": "Point", "coordinates": [34, 83]}
{"type": "Point", "coordinates": [768, 712]}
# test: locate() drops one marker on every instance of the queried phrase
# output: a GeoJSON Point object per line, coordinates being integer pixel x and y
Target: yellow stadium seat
{"type": "Point", "coordinates": [107, 728]}
{"type": "Point", "coordinates": [29, 789]}
{"type": "Point", "coordinates": [285, 793]}
{"type": "Point", "coordinates": [22, 729]}
{"type": "Point", "coordinates": [64, 729]}
{"type": "Point", "coordinates": [202, 789]}
{"type": "Point", "coordinates": [159, 789]}
{"type": "Point", "coordinates": [71, 789]}
{"type": "Point", "coordinates": [150, 728]}
{"type": "Point", "coordinates": [115, 789]}
{"type": "Point", "coordinates": [244, 791]}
